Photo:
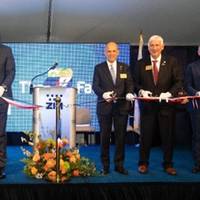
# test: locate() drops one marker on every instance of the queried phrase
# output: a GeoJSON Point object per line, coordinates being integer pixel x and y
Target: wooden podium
{"type": "Point", "coordinates": [44, 119]}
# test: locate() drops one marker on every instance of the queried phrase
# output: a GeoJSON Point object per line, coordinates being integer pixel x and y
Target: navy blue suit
{"type": "Point", "coordinates": [7, 73]}
{"type": "Point", "coordinates": [193, 86]}
{"type": "Point", "coordinates": [108, 112]}
{"type": "Point", "coordinates": [158, 117]}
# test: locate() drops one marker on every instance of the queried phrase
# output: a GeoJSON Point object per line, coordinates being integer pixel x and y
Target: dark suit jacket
{"type": "Point", "coordinates": [170, 78]}
{"type": "Point", "coordinates": [102, 82]}
{"type": "Point", "coordinates": [192, 80]}
{"type": "Point", "coordinates": [7, 69]}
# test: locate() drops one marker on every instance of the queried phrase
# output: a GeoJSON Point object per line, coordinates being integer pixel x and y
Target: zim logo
{"type": "Point", "coordinates": [50, 102]}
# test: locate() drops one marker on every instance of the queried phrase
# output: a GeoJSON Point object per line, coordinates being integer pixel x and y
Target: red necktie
{"type": "Point", "coordinates": [155, 71]}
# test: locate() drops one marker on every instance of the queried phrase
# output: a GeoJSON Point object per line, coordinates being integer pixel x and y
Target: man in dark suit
{"type": "Point", "coordinates": [113, 84]}
{"type": "Point", "coordinates": [193, 89]}
{"type": "Point", "coordinates": [7, 73]}
{"type": "Point", "coordinates": [158, 76]}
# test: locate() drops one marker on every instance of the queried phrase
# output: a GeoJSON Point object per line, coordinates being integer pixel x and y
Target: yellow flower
{"type": "Point", "coordinates": [34, 170]}
{"type": "Point", "coordinates": [36, 157]}
{"type": "Point", "coordinates": [64, 166]}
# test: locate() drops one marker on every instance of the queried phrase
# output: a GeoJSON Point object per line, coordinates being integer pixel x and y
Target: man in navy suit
{"type": "Point", "coordinates": [193, 89]}
{"type": "Point", "coordinates": [158, 76]}
{"type": "Point", "coordinates": [113, 85]}
{"type": "Point", "coordinates": [7, 73]}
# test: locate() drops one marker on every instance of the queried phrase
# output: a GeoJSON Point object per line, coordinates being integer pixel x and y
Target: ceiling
{"type": "Point", "coordinates": [178, 21]}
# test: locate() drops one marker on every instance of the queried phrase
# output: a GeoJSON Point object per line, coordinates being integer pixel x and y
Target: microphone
{"type": "Point", "coordinates": [53, 67]}
{"type": "Point", "coordinates": [41, 74]}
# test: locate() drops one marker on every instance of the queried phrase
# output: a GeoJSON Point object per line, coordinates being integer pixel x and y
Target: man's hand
{"type": "Point", "coordinates": [108, 96]}
{"type": "Point", "coordinates": [165, 96]}
{"type": "Point", "coordinates": [2, 90]}
{"type": "Point", "coordinates": [145, 93]}
{"type": "Point", "coordinates": [130, 97]}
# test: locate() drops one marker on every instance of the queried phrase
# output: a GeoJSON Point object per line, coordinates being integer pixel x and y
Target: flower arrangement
{"type": "Point", "coordinates": [41, 163]}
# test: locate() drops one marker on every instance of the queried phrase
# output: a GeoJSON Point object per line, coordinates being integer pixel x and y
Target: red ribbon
{"type": "Point", "coordinates": [20, 104]}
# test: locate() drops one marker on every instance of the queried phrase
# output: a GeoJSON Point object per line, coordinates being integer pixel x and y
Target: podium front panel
{"type": "Point", "coordinates": [44, 119]}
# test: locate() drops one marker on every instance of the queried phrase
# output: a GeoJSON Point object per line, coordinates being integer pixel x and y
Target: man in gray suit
{"type": "Point", "coordinates": [7, 73]}
{"type": "Point", "coordinates": [113, 85]}
{"type": "Point", "coordinates": [193, 89]}
{"type": "Point", "coordinates": [160, 76]}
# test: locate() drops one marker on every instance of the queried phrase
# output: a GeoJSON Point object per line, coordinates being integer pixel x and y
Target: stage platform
{"type": "Point", "coordinates": [154, 185]}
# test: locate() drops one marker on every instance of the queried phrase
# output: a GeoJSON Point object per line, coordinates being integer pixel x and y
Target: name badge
{"type": "Point", "coordinates": [148, 67]}
{"type": "Point", "coordinates": [123, 76]}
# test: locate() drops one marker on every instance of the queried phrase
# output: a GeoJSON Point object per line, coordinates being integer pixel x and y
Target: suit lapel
{"type": "Point", "coordinates": [118, 73]}
{"type": "Point", "coordinates": [149, 72]}
{"type": "Point", "coordinates": [162, 69]}
{"type": "Point", "coordinates": [106, 72]}
{"type": "Point", "coordinates": [120, 69]}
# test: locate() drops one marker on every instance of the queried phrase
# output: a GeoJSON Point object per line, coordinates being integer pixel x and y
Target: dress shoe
{"type": "Point", "coordinates": [2, 175]}
{"type": "Point", "coordinates": [170, 170]}
{"type": "Point", "coordinates": [104, 172]}
{"type": "Point", "coordinates": [196, 169]}
{"type": "Point", "coordinates": [143, 169]}
{"type": "Point", "coordinates": [121, 170]}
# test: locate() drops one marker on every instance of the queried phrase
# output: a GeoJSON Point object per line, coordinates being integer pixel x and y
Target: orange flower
{"type": "Point", "coordinates": [64, 178]}
{"type": "Point", "coordinates": [75, 172]}
{"type": "Point", "coordinates": [62, 142]}
{"type": "Point", "coordinates": [72, 159]}
{"type": "Point", "coordinates": [49, 164]}
{"type": "Point", "coordinates": [48, 156]}
{"type": "Point", "coordinates": [52, 176]}
{"type": "Point", "coordinates": [34, 170]}
{"type": "Point", "coordinates": [69, 154]}
{"type": "Point", "coordinates": [40, 145]}
{"type": "Point", "coordinates": [78, 157]}
{"type": "Point", "coordinates": [36, 157]}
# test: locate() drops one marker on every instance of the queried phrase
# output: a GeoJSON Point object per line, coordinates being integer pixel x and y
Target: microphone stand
{"type": "Point", "coordinates": [58, 137]}
{"type": "Point", "coordinates": [38, 75]}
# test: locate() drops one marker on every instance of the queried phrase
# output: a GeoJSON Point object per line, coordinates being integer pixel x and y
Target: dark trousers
{"type": "Point", "coordinates": [195, 119]}
{"type": "Point", "coordinates": [3, 138]}
{"type": "Point", "coordinates": [157, 122]}
{"type": "Point", "coordinates": [120, 124]}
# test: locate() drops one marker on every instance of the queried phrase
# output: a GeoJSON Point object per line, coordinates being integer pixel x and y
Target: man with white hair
{"type": "Point", "coordinates": [193, 89]}
{"type": "Point", "coordinates": [157, 75]}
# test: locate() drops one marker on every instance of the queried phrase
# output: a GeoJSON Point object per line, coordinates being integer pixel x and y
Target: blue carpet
{"type": "Point", "coordinates": [182, 162]}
